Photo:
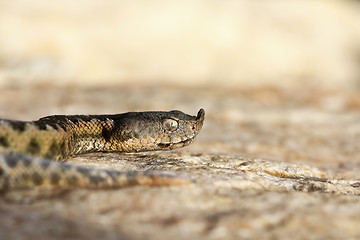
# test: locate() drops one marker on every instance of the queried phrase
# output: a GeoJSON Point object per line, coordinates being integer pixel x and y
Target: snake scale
{"type": "Point", "coordinates": [28, 149]}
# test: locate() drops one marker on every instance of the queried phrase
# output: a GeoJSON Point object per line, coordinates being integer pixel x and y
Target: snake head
{"type": "Point", "coordinates": [151, 131]}
{"type": "Point", "coordinates": [180, 129]}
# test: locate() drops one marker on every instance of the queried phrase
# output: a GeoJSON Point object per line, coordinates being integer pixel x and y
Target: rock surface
{"type": "Point", "coordinates": [270, 163]}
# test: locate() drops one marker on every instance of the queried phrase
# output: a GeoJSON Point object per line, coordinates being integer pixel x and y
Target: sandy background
{"type": "Point", "coordinates": [218, 43]}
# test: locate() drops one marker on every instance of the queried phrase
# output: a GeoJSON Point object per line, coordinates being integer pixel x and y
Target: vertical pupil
{"type": "Point", "coordinates": [171, 125]}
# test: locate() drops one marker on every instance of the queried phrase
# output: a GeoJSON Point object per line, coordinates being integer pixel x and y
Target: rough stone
{"type": "Point", "coordinates": [270, 163]}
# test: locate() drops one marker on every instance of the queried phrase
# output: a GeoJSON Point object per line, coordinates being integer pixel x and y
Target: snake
{"type": "Point", "coordinates": [33, 154]}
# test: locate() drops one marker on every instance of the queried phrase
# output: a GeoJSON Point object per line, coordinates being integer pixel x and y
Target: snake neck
{"type": "Point", "coordinates": [60, 137]}
{"type": "Point", "coordinates": [29, 138]}
{"type": "Point", "coordinates": [95, 135]}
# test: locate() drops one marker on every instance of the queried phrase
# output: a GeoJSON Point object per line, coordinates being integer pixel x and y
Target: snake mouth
{"type": "Point", "coordinates": [176, 144]}
{"type": "Point", "coordinates": [185, 142]}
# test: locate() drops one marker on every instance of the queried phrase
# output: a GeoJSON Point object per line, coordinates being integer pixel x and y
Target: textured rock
{"type": "Point", "coordinates": [269, 163]}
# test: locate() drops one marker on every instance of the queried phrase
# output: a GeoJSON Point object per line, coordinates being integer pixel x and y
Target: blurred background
{"type": "Point", "coordinates": [232, 43]}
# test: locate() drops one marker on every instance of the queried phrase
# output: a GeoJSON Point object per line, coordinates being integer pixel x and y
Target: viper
{"type": "Point", "coordinates": [32, 154]}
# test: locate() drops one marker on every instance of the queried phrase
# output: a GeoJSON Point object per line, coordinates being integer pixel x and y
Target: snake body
{"type": "Point", "coordinates": [32, 153]}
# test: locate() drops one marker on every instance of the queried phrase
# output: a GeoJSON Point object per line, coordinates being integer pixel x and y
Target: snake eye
{"type": "Point", "coordinates": [170, 124]}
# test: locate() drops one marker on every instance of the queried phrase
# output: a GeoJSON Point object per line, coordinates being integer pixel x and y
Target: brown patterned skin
{"type": "Point", "coordinates": [27, 148]}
